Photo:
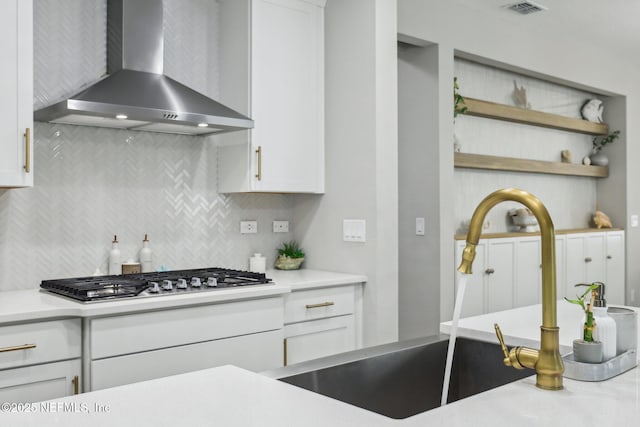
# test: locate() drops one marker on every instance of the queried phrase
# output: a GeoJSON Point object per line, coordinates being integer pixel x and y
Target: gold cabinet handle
{"type": "Point", "coordinates": [76, 384]}
{"type": "Point", "coordinates": [322, 304]}
{"type": "Point", "coordinates": [259, 153]}
{"type": "Point", "coordinates": [285, 352]}
{"type": "Point", "coordinates": [17, 348]}
{"type": "Point", "coordinates": [27, 150]}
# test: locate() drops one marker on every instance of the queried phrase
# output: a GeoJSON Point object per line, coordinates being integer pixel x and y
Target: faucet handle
{"type": "Point", "coordinates": [517, 357]}
{"type": "Point", "coordinates": [505, 350]}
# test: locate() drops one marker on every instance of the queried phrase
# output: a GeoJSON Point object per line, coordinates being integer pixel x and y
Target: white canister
{"type": "Point", "coordinates": [626, 328]}
{"type": "Point", "coordinates": [257, 263]}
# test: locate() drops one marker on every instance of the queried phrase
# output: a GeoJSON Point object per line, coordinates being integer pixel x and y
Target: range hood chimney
{"type": "Point", "coordinates": [135, 94]}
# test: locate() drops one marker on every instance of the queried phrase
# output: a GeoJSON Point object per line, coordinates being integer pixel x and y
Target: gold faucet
{"type": "Point", "coordinates": [547, 361]}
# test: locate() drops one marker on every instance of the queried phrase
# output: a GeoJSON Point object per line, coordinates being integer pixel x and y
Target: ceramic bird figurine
{"type": "Point", "coordinates": [601, 220]}
{"type": "Point", "coordinates": [592, 110]}
{"type": "Point", "coordinates": [520, 96]}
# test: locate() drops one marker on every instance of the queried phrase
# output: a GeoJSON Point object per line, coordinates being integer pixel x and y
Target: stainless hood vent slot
{"type": "Point", "coordinates": [135, 94]}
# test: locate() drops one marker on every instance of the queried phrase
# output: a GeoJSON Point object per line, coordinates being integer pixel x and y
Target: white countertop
{"type": "Point", "coordinates": [521, 326]}
{"type": "Point", "coordinates": [309, 279]}
{"type": "Point", "coordinates": [33, 304]}
{"type": "Point", "coordinates": [229, 396]}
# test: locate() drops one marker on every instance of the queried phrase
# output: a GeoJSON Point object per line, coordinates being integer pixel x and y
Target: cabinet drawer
{"type": "Point", "coordinates": [111, 336]}
{"type": "Point", "coordinates": [256, 352]}
{"type": "Point", "coordinates": [34, 343]}
{"type": "Point", "coordinates": [319, 303]}
{"type": "Point", "coordinates": [319, 338]}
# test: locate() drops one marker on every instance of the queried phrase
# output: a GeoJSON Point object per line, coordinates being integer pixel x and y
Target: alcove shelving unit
{"type": "Point", "coordinates": [491, 110]}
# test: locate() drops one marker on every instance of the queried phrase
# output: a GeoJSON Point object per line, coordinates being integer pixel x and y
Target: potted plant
{"type": "Point", "coordinates": [290, 256]}
{"type": "Point", "coordinates": [587, 350]}
{"type": "Point", "coordinates": [597, 157]}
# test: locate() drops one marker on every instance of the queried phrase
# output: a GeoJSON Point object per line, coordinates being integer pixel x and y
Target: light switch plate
{"type": "Point", "coordinates": [634, 220]}
{"type": "Point", "coordinates": [354, 230]}
{"type": "Point", "coordinates": [248, 227]}
{"type": "Point", "coordinates": [419, 226]}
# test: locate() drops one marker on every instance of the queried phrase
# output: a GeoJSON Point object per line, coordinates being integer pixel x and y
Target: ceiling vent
{"type": "Point", "coordinates": [525, 7]}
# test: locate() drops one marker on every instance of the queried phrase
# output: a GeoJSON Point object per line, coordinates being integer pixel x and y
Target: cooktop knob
{"type": "Point", "coordinates": [167, 285]}
{"type": "Point", "coordinates": [195, 282]}
{"type": "Point", "coordinates": [153, 287]}
{"type": "Point", "coordinates": [212, 282]}
{"type": "Point", "coordinates": [182, 284]}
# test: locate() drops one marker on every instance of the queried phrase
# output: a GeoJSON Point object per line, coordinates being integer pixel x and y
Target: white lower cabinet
{"type": "Point", "coordinates": [507, 270]}
{"type": "Point", "coordinates": [135, 347]}
{"type": "Point", "coordinates": [596, 257]}
{"type": "Point", "coordinates": [40, 382]}
{"type": "Point", "coordinates": [321, 322]}
{"type": "Point", "coordinates": [40, 360]}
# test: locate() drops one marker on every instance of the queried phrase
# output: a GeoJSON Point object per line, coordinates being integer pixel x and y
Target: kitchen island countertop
{"type": "Point", "coordinates": [230, 396]}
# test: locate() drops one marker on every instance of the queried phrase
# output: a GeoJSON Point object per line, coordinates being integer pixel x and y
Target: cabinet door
{"type": "Point", "coordinates": [318, 338]}
{"type": "Point", "coordinates": [473, 302]}
{"type": "Point", "coordinates": [595, 257]}
{"type": "Point", "coordinates": [615, 289]}
{"type": "Point", "coordinates": [575, 263]}
{"type": "Point", "coordinates": [16, 92]}
{"type": "Point", "coordinates": [39, 382]}
{"type": "Point", "coordinates": [287, 83]}
{"type": "Point", "coordinates": [528, 289]}
{"type": "Point", "coordinates": [500, 274]}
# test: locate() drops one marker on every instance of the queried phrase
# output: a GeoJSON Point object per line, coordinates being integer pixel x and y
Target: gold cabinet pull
{"type": "Point", "coordinates": [322, 304]}
{"type": "Point", "coordinates": [285, 352]}
{"type": "Point", "coordinates": [76, 384]}
{"type": "Point", "coordinates": [27, 150]}
{"type": "Point", "coordinates": [259, 153]}
{"type": "Point", "coordinates": [17, 348]}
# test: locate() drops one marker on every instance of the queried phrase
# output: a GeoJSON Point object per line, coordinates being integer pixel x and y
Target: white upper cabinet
{"type": "Point", "coordinates": [279, 82]}
{"type": "Point", "coordinates": [16, 92]}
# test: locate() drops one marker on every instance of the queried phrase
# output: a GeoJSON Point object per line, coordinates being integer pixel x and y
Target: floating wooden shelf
{"type": "Point", "coordinates": [481, 161]}
{"type": "Point", "coordinates": [491, 110]}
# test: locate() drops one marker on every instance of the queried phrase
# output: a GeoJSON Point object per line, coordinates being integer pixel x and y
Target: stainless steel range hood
{"type": "Point", "coordinates": [135, 94]}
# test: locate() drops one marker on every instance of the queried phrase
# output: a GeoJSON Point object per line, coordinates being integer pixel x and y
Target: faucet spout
{"type": "Point", "coordinates": [548, 364]}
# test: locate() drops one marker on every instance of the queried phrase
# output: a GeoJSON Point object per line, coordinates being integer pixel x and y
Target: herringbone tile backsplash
{"type": "Point", "coordinates": [92, 183]}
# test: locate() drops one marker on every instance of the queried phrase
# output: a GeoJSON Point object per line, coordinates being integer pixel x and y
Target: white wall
{"type": "Point", "coordinates": [461, 28]}
{"type": "Point", "coordinates": [361, 159]}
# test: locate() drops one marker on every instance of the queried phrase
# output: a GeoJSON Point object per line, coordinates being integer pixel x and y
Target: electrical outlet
{"type": "Point", "coordinates": [280, 226]}
{"type": "Point", "coordinates": [248, 227]}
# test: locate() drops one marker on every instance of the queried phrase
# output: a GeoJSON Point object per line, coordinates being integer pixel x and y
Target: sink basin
{"type": "Point", "coordinates": [403, 379]}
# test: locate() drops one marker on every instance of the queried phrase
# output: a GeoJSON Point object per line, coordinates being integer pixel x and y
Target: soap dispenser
{"type": "Point", "coordinates": [145, 256]}
{"type": "Point", "coordinates": [605, 330]}
{"type": "Point", "coordinates": [115, 264]}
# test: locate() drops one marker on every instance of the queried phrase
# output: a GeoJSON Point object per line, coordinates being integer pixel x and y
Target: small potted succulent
{"type": "Point", "coordinates": [290, 256]}
{"type": "Point", "coordinates": [587, 349]}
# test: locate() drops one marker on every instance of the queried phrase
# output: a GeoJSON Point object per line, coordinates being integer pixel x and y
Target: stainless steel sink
{"type": "Point", "coordinates": [403, 379]}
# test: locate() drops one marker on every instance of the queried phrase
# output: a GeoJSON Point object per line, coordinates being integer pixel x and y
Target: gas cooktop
{"type": "Point", "coordinates": [107, 288]}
